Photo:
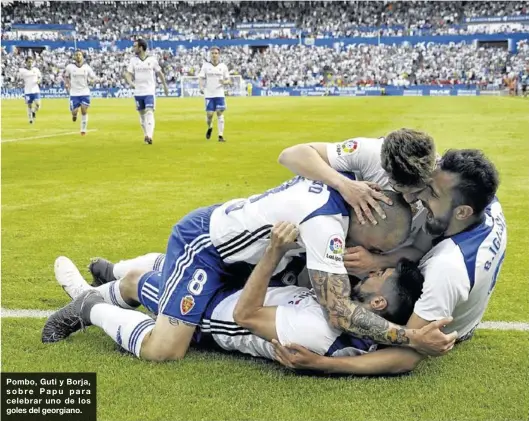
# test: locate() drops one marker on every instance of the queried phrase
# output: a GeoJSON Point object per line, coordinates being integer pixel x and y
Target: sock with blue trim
{"type": "Point", "coordinates": [126, 327]}
{"type": "Point", "coordinates": [112, 295]}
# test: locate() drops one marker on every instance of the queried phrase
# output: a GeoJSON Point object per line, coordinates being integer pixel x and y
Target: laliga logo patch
{"type": "Point", "coordinates": [336, 245]}
{"type": "Point", "coordinates": [349, 146]}
{"type": "Point", "coordinates": [187, 304]}
{"type": "Point", "coordinates": [335, 249]}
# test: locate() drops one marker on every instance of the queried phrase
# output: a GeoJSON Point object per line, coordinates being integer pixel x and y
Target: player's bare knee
{"type": "Point", "coordinates": [152, 351]}
{"type": "Point", "coordinates": [128, 286]}
{"type": "Point", "coordinates": [220, 113]}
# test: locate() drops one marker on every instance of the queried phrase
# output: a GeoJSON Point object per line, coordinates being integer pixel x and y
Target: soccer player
{"type": "Point", "coordinates": [470, 231]}
{"type": "Point", "coordinates": [77, 78]}
{"type": "Point", "coordinates": [407, 153]}
{"type": "Point", "coordinates": [213, 78]}
{"type": "Point", "coordinates": [141, 75]}
{"type": "Point", "coordinates": [525, 80]}
{"type": "Point", "coordinates": [245, 321]}
{"type": "Point", "coordinates": [206, 243]}
{"type": "Point", "coordinates": [31, 77]}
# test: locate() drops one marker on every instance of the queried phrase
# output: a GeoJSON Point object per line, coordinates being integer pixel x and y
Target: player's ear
{"type": "Point", "coordinates": [378, 303]}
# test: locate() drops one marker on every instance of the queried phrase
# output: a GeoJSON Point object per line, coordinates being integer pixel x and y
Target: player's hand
{"type": "Point", "coordinates": [363, 196]}
{"type": "Point", "coordinates": [284, 236]}
{"type": "Point", "coordinates": [429, 340]}
{"type": "Point", "coordinates": [359, 262]}
{"type": "Point", "coordinates": [295, 356]}
{"type": "Point", "coordinates": [201, 90]}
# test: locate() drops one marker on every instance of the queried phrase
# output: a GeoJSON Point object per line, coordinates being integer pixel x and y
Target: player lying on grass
{"type": "Point", "coordinates": [207, 242]}
{"type": "Point", "coordinates": [246, 321]}
{"type": "Point", "coordinates": [461, 213]}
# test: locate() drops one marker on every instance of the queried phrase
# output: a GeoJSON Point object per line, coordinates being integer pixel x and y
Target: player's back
{"type": "Point", "coordinates": [240, 229]}
{"type": "Point", "coordinates": [471, 261]}
{"type": "Point", "coordinates": [299, 319]}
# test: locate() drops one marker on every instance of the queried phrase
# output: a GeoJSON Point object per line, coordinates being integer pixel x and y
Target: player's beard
{"type": "Point", "coordinates": [437, 226]}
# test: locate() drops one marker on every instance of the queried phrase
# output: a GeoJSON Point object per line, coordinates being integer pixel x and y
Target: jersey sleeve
{"type": "Point", "coordinates": [446, 283]}
{"type": "Point", "coordinates": [202, 73]}
{"type": "Point", "coordinates": [306, 326]}
{"type": "Point", "coordinates": [91, 73]}
{"type": "Point", "coordinates": [324, 240]}
{"type": "Point", "coordinates": [357, 154]}
{"type": "Point", "coordinates": [226, 73]}
{"type": "Point", "coordinates": [39, 74]}
{"type": "Point", "coordinates": [67, 70]}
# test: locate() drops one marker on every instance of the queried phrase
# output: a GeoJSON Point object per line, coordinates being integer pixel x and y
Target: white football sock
{"type": "Point", "coordinates": [126, 327]}
{"type": "Point", "coordinates": [149, 123]}
{"type": "Point", "coordinates": [146, 263]}
{"type": "Point", "coordinates": [142, 123]}
{"type": "Point", "coordinates": [112, 294]}
{"type": "Point", "coordinates": [220, 119]}
{"type": "Point", "coordinates": [84, 122]}
{"type": "Point", "coordinates": [30, 115]}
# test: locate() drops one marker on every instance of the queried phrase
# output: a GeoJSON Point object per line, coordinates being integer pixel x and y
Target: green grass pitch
{"type": "Point", "coordinates": [108, 194]}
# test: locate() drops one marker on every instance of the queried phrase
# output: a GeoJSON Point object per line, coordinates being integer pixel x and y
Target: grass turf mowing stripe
{"type": "Point", "coordinates": [38, 314]}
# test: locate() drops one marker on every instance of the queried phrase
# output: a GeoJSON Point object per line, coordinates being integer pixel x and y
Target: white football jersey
{"type": "Point", "coordinates": [144, 72]}
{"type": "Point", "coordinates": [31, 79]}
{"type": "Point", "coordinates": [299, 319]}
{"type": "Point", "coordinates": [461, 271]}
{"type": "Point", "coordinates": [214, 76]}
{"type": "Point", "coordinates": [240, 229]}
{"type": "Point", "coordinates": [361, 156]}
{"type": "Point", "coordinates": [79, 77]}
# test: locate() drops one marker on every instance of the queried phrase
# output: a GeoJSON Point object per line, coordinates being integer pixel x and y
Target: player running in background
{"type": "Point", "coordinates": [76, 80]}
{"type": "Point", "coordinates": [31, 77]}
{"type": "Point", "coordinates": [212, 79]}
{"type": "Point", "coordinates": [143, 69]}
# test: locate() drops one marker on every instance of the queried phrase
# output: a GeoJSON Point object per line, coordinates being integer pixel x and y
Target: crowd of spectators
{"type": "Point", "coordinates": [111, 21]}
{"type": "Point", "coordinates": [289, 66]}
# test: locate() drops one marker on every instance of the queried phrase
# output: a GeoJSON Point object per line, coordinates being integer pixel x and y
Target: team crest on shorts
{"type": "Point", "coordinates": [350, 146]}
{"type": "Point", "coordinates": [187, 304]}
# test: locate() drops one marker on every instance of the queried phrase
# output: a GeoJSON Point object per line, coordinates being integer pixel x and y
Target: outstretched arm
{"type": "Point", "coordinates": [311, 161]}
{"type": "Point", "coordinates": [250, 311]}
{"type": "Point", "coordinates": [333, 291]}
{"type": "Point", "coordinates": [383, 362]}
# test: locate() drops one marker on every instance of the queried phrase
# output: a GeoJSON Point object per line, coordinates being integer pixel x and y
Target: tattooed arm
{"type": "Point", "coordinates": [333, 293]}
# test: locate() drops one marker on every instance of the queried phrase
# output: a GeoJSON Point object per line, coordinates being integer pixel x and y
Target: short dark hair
{"type": "Point", "coordinates": [408, 156]}
{"type": "Point", "coordinates": [215, 48]}
{"type": "Point", "coordinates": [478, 177]}
{"type": "Point", "coordinates": [402, 290]}
{"type": "Point", "coordinates": [142, 44]}
{"type": "Point", "coordinates": [28, 58]}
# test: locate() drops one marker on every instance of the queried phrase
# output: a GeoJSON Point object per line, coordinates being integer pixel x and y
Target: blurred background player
{"type": "Point", "coordinates": [77, 77]}
{"type": "Point", "coordinates": [212, 79]}
{"type": "Point", "coordinates": [143, 68]}
{"type": "Point", "coordinates": [31, 77]}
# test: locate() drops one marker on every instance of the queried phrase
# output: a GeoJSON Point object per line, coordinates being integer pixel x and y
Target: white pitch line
{"type": "Point", "coordinates": [44, 137]}
{"type": "Point", "coordinates": [39, 314]}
